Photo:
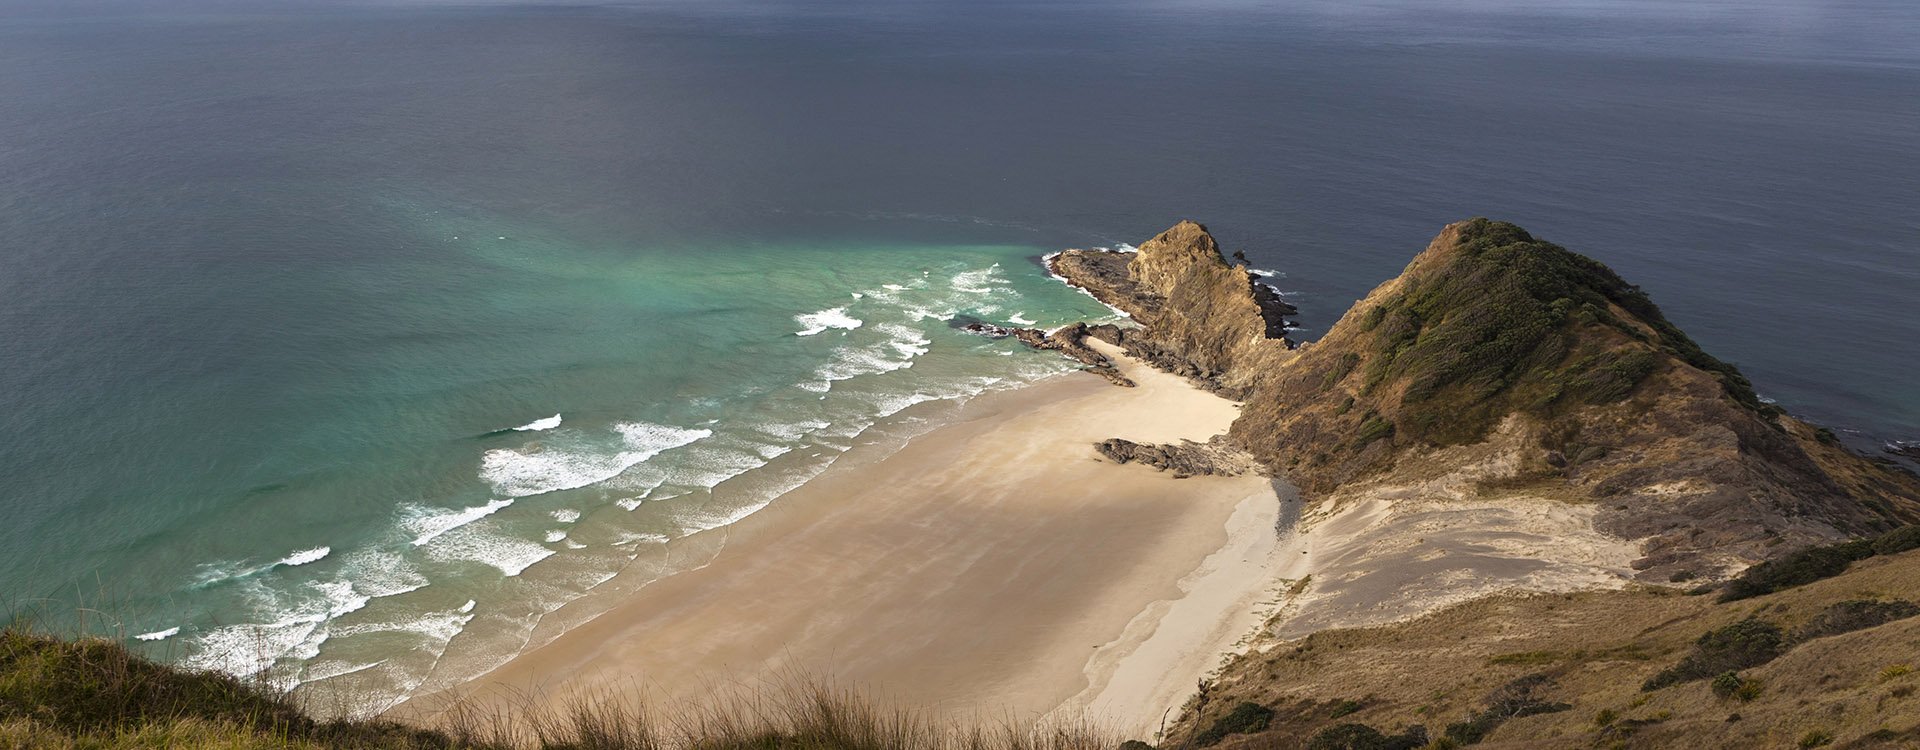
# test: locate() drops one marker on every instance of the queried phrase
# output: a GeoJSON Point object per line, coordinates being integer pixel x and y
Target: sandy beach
{"type": "Point", "coordinates": [995, 565]}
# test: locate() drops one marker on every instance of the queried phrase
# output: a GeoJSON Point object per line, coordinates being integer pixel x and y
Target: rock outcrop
{"type": "Point", "coordinates": [1184, 459]}
{"type": "Point", "coordinates": [1199, 316]}
{"type": "Point", "coordinates": [1068, 340]}
{"type": "Point", "coordinates": [1531, 358]}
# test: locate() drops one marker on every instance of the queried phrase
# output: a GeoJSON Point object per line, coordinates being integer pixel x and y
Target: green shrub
{"type": "Point", "coordinates": [1341, 368]}
{"type": "Point", "coordinates": [1855, 614]}
{"type": "Point", "coordinates": [1363, 737]}
{"type": "Point", "coordinates": [1797, 569]}
{"type": "Point", "coordinates": [1897, 541]}
{"type": "Point", "coordinates": [1525, 657]}
{"type": "Point", "coordinates": [1373, 317]}
{"type": "Point", "coordinates": [1372, 429]}
{"type": "Point", "coordinates": [1744, 644]}
{"type": "Point", "coordinates": [1511, 701]}
{"type": "Point", "coordinates": [1730, 685]}
{"type": "Point", "coordinates": [1343, 708]}
{"type": "Point", "coordinates": [1609, 377]}
{"type": "Point", "coordinates": [1724, 685]}
{"type": "Point", "coordinates": [92, 684]}
{"type": "Point", "coordinates": [1491, 330]}
{"type": "Point", "coordinates": [1245, 718]}
{"type": "Point", "coordinates": [1816, 738]}
{"type": "Point", "coordinates": [1472, 730]}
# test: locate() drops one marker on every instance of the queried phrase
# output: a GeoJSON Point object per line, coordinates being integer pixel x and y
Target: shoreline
{"type": "Point", "coordinates": [994, 564]}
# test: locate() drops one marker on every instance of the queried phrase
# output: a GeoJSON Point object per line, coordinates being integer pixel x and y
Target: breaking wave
{"type": "Point", "coordinates": [824, 320]}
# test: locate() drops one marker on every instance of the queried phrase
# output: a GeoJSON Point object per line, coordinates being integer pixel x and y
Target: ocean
{"type": "Point", "coordinates": [371, 342]}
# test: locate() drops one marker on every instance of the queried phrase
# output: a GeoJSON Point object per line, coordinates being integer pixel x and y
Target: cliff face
{"type": "Point", "coordinates": [1539, 365]}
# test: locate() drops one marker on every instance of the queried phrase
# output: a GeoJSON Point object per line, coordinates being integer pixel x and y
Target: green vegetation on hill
{"type": "Point", "coordinates": [95, 693]}
{"type": "Point", "coordinates": [1504, 323]}
{"type": "Point", "coordinates": [1809, 565]}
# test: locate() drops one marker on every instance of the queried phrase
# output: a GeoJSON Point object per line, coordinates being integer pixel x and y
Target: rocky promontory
{"type": "Point", "coordinates": [1549, 375]}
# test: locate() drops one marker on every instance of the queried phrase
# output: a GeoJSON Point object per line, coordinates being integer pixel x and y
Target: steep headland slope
{"type": "Point", "coordinates": [1502, 367]}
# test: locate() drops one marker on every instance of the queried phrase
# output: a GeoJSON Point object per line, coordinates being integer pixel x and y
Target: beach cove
{"type": "Point", "coordinates": [993, 566]}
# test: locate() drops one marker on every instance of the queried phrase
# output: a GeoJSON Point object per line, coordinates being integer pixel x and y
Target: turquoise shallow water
{"type": "Point", "coordinates": [506, 417]}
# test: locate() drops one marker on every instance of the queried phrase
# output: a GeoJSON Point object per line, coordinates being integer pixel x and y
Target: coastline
{"type": "Point", "coordinates": [993, 565]}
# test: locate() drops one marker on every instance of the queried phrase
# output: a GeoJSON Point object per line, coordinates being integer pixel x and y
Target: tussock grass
{"type": "Point", "coordinates": [94, 694]}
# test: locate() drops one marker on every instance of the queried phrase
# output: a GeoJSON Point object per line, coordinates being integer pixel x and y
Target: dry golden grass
{"type": "Point", "coordinates": [93, 694]}
{"type": "Point", "coordinates": [1597, 649]}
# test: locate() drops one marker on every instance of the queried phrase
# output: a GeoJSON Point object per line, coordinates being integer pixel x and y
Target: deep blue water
{"type": "Point", "coordinates": [270, 272]}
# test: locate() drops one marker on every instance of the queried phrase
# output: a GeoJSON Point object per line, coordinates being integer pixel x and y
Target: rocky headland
{"type": "Point", "coordinates": [1499, 366]}
{"type": "Point", "coordinates": [1506, 418]}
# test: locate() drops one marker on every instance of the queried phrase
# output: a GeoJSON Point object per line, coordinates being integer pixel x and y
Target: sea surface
{"type": "Point", "coordinates": [367, 342]}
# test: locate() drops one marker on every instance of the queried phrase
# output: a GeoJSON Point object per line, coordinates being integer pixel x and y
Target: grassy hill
{"type": "Point", "coordinates": [1801, 653]}
{"type": "Point", "coordinates": [93, 694]}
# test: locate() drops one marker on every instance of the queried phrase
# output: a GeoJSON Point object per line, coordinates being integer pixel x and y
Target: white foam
{"type": "Point", "coordinates": [631, 503]}
{"type": "Point", "coordinates": [1047, 262]}
{"type": "Point", "coordinates": [979, 281]}
{"type": "Point", "coordinates": [708, 466]}
{"type": "Point", "coordinates": [510, 555]}
{"type": "Point", "coordinates": [294, 631]}
{"type": "Point", "coordinates": [540, 424]}
{"type": "Point", "coordinates": [555, 536]}
{"type": "Point", "coordinates": [380, 574]}
{"type": "Point", "coordinates": [328, 670]}
{"type": "Point", "coordinates": [437, 627]}
{"type": "Point", "coordinates": [249, 649]}
{"type": "Point", "coordinates": [627, 537]}
{"type": "Point", "coordinates": [852, 362]}
{"type": "Point", "coordinates": [1020, 318]}
{"type": "Point", "coordinates": [540, 469]}
{"type": "Point", "coordinates": [771, 452]}
{"type": "Point", "coordinates": [888, 406]}
{"type": "Point", "coordinates": [159, 635]}
{"type": "Point", "coordinates": [819, 322]}
{"type": "Point", "coordinates": [566, 515]}
{"type": "Point", "coordinates": [226, 570]}
{"type": "Point", "coordinates": [921, 313]}
{"type": "Point", "coordinates": [791, 431]}
{"type": "Point", "coordinates": [340, 597]}
{"type": "Point", "coordinates": [430, 524]}
{"type": "Point", "coordinates": [305, 556]}
{"type": "Point", "coordinates": [905, 340]}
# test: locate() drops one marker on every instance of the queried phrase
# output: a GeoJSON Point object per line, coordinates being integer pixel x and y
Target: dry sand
{"type": "Point", "coordinates": [993, 566]}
